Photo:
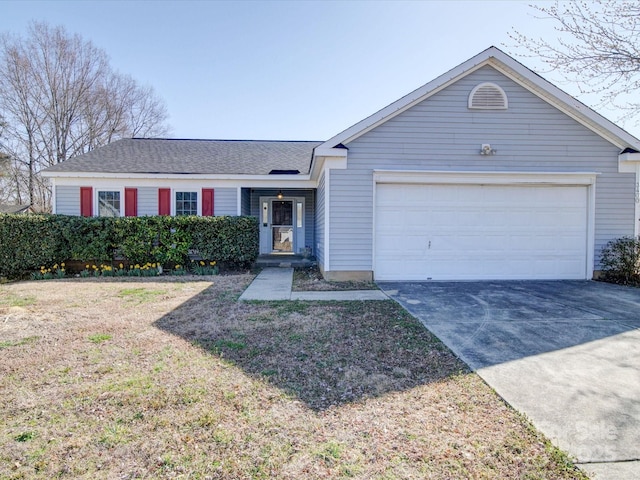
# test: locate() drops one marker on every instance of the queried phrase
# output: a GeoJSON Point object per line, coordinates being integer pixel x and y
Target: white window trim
{"type": "Point", "coordinates": [198, 193]}
{"type": "Point", "coordinates": [96, 199]}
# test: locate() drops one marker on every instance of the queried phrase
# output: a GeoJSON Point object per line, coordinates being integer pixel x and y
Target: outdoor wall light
{"type": "Point", "coordinates": [485, 149]}
{"type": "Point", "coordinates": [280, 195]}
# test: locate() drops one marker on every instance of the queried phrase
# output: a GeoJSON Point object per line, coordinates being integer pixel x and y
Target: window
{"type": "Point", "coordinates": [488, 96]}
{"type": "Point", "coordinates": [108, 204]}
{"type": "Point", "coordinates": [186, 203]}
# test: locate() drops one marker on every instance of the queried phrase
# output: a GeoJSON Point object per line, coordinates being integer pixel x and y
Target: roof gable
{"type": "Point", "coordinates": [512, 69]}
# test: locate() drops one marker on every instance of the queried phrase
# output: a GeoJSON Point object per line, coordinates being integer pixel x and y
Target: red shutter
{"type": "Point", "coordinates": [207, 202]}
{"type": "Point", "coordinates": [130, 202]}
{"type": "Point", "coordinates": [164, 201]}
{"type": "Point", "coordinates": [86, 201]}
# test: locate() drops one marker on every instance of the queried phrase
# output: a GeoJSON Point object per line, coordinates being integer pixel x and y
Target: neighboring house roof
{"type": "Point", "coordinates": [4, 208]}
{"type": "Point", "coordinates": [512, 69]}
{"type": "Point", "coordinates": [175, 156]}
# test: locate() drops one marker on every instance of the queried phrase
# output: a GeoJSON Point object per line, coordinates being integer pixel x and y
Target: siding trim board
{"type": "Point", "coordinates": [327, 220]}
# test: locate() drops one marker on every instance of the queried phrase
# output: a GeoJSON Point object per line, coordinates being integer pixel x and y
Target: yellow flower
{"type": "Point", "coordinates": [153, 265]}
{"type": "Point", "coordinates": [137, 265]}
{"type": "Point", "coordinates": [201, 263]}
{"type": "Point", "coordinates": [177, 266]}
{"type": "Point", "coordinates": [42, 267]}
{"type": "Point", "coordinates": [121, 266]}
{"type": "Point", "coordinates": [212, 263]}
{"type": "Point", "coordinates": [86, 266]}
{"type": "Point", "coordinates": [62, 265]}
{"type": "Point", "coordinates": [130, 267]}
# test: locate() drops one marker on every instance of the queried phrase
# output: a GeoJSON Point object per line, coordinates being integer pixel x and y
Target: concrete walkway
{"type": "Point", "coordinates": [275, 284]}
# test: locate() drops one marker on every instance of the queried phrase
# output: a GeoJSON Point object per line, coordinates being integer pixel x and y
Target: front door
{"type": "Point", "coordinates": [282, 225]}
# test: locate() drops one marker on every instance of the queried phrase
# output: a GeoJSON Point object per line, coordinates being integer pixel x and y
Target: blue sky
{"type": "Point", "coordinates": [294, 70]}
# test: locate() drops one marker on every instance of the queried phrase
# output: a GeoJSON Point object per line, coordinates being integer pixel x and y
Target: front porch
{"type": "Point", "coordinates": [287, 223]}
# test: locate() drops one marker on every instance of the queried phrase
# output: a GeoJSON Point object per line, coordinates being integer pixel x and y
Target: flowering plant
{"type": "Point", "coordinates": [204, 267]}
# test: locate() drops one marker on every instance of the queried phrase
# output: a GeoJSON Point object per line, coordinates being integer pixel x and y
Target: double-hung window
{"type": "Point", "coordinates": [109, 203]}
{"type": "Point", "coordinates": [186, 203]}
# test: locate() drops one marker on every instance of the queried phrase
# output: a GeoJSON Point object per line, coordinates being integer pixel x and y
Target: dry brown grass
{"type": "Point", "coordinates": [175, 379]}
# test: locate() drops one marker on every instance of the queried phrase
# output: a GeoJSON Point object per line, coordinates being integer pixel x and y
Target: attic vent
{"type": "Point", "coordinates": [284, 172]}
{"type": "Point", "coordinates": [488, 96]}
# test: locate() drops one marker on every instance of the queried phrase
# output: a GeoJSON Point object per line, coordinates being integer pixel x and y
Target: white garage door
{"type": "Point", "coordinates": [473, 232]}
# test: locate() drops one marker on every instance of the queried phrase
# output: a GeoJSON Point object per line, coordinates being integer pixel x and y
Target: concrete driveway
{"type": "Point", "coordinates": [564, 353]}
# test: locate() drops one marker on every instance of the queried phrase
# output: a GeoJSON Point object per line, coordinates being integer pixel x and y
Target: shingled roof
{"type": "Point", "coordinates": [173, 156]}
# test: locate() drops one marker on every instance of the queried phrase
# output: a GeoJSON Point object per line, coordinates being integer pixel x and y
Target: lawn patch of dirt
{"type": "Point", "coordinates": [166, 378]}
{"type": "Point", "coordinates": [310, 280]}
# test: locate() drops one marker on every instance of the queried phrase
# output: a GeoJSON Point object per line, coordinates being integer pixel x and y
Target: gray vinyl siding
{"type": "Point", "coordinates": [318, 248]}
{"type": "Point", "coordinates": [441, 133]}
{"type": "Point", "coordinates": [67, 200]}
{"type": "Point", "coordinates": [225, 201]}
{"type": "Point", "coordinates": [147, 201]}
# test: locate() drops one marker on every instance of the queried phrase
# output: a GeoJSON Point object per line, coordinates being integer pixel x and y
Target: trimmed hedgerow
{"type": "Point", "coordinates": [29, 241]}
{"type": "Point", "coordinates": [620, 260]}
{"type": "Point", "coordinates": [234, 242]}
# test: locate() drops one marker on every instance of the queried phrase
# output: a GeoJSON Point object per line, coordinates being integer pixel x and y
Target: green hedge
{"type": "Point", "coordinates": [620, 260]}
{"type": "Point", "coordinates": [28, 242]}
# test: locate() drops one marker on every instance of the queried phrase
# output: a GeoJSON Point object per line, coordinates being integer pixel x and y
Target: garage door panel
{"type": "Point", "coordinates": [459, 232]}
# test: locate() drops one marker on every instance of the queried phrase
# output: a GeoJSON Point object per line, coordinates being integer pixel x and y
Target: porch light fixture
{"type": "Point", "coordinates": [485, 149]}
{"type": "Point", "coordinates": [280, 195]}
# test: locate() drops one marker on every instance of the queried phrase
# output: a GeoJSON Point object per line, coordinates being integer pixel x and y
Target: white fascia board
{"type": "Point", "coordinates": [324, 162]}
{"type": "Point", "coordinates": [257, 181]}
{"type": "Point", "coordinates": [174, 176]}
{"type": "Point", "coordinates": [628, 162]}
{"type": "Point", "coordinates": [485, 178]}
{"type": "Point", "coordinates": [515, 71]}
{"type": "Point", "coordinates": [323, 151]}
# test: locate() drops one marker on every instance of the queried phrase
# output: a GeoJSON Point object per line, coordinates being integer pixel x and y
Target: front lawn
{"type": "Point", "coordinates": [165, 378]}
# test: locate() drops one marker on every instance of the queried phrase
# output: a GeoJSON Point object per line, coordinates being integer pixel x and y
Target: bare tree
{"type": "Point", "coordinates": [597, 48]}
{"type": "Point", "coordinates": [60, 98]}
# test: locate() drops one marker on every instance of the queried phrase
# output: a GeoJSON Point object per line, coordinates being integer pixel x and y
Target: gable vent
{"type": "Point", "coordinates": [488, 96]}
